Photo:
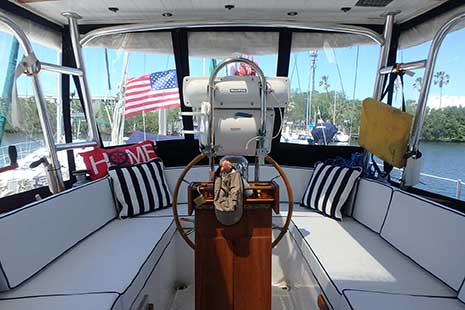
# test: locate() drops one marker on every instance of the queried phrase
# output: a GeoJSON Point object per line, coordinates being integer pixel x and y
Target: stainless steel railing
{"type": "Point", "coordinates": [31, 66]}
{"type": "Point", "coordinates": [458, 182]}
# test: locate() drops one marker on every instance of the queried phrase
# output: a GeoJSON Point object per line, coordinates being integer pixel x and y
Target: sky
{"type": "Point", "coordinates": [449, 60]}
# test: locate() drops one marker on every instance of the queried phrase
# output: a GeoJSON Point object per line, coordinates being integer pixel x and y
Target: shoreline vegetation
{"type": "Point", "coordinates": [441, 125]}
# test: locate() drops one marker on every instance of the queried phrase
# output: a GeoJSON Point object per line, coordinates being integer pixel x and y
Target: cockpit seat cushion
{"type": "Point", "coordinates": [140, 188]}
{"type": "Point", "coordinates": [329, 188]}
{"type": "Point", "coordinates": [371, 203]}
{"type": "Point", "coordinates": [35, 235]}
{"type": "Point", "coordinates": [119, 258]}
{"type": "Point", "coordinates": [462, 292]}
{"type": "Point", "coordinates": [103, 301]}
{"type": "Point", "coordinates": [368, 300]}
{"type": "Point", "coordinates": [347, 255]}
{"type": "Point", "coordinates": [430, 234]}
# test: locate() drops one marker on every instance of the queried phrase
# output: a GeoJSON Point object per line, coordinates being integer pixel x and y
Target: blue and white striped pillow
{"type": "Point", "coordinates": [329, 188]}
{"type": "Point", "coordinates": [140, 188]}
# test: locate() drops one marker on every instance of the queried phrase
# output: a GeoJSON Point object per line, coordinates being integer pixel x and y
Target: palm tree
{"type": "Point", "coordinates": [418, 83]}
{"type": "Point", "coordinates": [441, 79]}
{"type": "Point", "coordinates": [324, 82]}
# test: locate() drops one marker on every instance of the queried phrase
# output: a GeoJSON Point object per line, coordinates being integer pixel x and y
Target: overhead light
{"type": "Point", "coordinates": [167, 14]}
{"type": "Point", "coordinates": [292, 13]}
{"type": "Point", "coordinates": [229, 6]}
{"type": "Point", "coordinates": [113, 9]}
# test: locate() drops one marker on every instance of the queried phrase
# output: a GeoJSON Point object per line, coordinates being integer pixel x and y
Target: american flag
{"type": "Point", "coordinates": [150, 92]}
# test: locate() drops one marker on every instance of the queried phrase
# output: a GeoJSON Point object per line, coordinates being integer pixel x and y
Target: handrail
{"type": "Point", "coordinates": [327, 27]}
{"type": "Point", "coordinates": [32, 68]}
{"type": "Point", "coordinates": [420, 64]}
{"type": "Point", "coordinates": [18, 33]}
{"type": "Point", "coordinates": [427, 78]}
{"type": "Point", "coordinates": [86, 98]}
{"type": "Point", "coordinates": [263, 88]}
{"type": "Point", "coordinates": [458, 182]}
{"type": "Point", "coordinates": [383, 55]}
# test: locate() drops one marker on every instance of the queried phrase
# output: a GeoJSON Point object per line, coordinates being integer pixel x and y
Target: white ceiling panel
{"type": "Point", "coordinates": [132, 11]}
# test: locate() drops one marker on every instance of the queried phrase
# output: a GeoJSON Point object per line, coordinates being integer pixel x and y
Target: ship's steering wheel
{"type": "Point", "coordinates": [202, 156]}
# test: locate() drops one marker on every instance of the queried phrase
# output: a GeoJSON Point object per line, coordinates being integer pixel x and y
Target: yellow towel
{"type": "Point", "coordinates": [385, 131]}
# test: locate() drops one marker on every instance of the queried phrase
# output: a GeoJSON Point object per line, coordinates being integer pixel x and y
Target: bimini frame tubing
{"type": "Point", "coordinates": [330, 27]}
{"type": "Point", "coordinates": [411, 173]}
{"type": "Point", "coordinates": [383, 55]}
{"type": "Point", "coordinates": [260, 151]}
{"type": "Point", "coordinates": [427, 79]}
{"type": "Point", "coordinates": [32, 66]}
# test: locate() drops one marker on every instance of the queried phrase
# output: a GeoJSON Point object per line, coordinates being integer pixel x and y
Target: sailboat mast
{"type": "Point", "coordinates": [118, 113]}
{"type": "Point", "coordinates": [313, 56]}
{"type": "Point", "coordinates": [8, 86]}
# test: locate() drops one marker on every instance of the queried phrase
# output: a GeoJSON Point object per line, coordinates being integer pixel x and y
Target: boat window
{"type": "Point", "coordinates": [442, 139]}
{"type": "Point", "coordinates": [19, 120]}
{"type": "Point", "coordinates": [330, 75]}
{"type": "Point", "coordinates": [208, 49]}
{"type": "Point", "coordinates": [133, 83]}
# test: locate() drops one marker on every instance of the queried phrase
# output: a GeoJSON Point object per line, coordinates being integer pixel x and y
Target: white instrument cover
{"type": "Point", "coordinates": [237, 111]}
{"type": "Point", "coordinates": [236, 92]}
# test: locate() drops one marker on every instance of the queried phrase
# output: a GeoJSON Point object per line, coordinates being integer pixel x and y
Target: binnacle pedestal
{"type": "Point", "coordinates": [233, 263]}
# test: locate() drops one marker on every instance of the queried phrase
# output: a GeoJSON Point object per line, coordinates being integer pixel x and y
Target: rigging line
{"type": "Point", "coordinates": [293, 71]}
{"type": "Point", "coordinates": [356, 72]}
{"type": "Point", "coordinates": [339, 73]}
{"type": "Point", "coordinates": [108, 93]}
{"type": "Point", "coordinates": [297, 73]}
{"type": "Point", "coordinates": [354, 91]}
{"type": "Point", "coordinates": [107, 66]}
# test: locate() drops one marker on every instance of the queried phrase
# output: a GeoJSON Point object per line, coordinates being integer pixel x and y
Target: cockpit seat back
{"type": "Point", "coordinates": [37, 234]}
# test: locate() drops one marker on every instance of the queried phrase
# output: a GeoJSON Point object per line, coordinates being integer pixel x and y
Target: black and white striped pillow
{"type": "Point", "coordinates": [140, 188]}
{"type": "Point", "coordinates": [329, 188]}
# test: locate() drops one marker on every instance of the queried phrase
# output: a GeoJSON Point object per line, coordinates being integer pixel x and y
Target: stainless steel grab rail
{"type": "Point", "coordinates": [54, 171]}
{"type": "Point", "coordinates": [330, 27]}
{"type": "Point", "coordinates": [420, 64]}
{"type": "Point", "coordinates": [261, 134]}
{"type": "Point", "coordinates": [427, 78]}
{"type": "Point", "coordinates": [32, 67]}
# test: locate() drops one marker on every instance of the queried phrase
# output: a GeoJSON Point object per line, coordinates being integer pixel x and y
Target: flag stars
{"type": "Point", "coordinates": [163, 80]}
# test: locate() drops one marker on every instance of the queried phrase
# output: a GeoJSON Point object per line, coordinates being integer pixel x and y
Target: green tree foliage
{"type": "Point", "coordinates": [445, 125]}
{"type": "Point", "coordinates": [347, 111]}
{"type": "Point", "coordinates": [30, 123]}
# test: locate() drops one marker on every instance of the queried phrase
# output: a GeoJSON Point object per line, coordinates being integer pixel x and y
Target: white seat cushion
{"type": "Point", "coordinates": [70, 302]}
{"type": "Point", "coordinates": [118, 258]}
{"type": "Point", "coordinates": [347, 255]}
{"type": "Point", "coordinates": [362, 300]}
{"type": "Point", "coordinates": [431, 234]}
{"type": "Point", "coordinates": [371, 203]}
{"type": "Point", "coordinates": [38, 233]}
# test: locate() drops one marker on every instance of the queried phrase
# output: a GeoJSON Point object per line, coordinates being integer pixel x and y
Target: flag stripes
{"type": "Point", "coordinates": [140, 188]}
{"type": "Point", "coordinates": [329, 188]}
{"type": "Point", "coordinates": [150, 92]}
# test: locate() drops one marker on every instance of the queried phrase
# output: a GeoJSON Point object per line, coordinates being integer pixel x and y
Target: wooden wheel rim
{"type": "Point", "coordinates": [175, 199]}
{"type": "Point", "coordinates": [290, 198]}
{"type": "Point", "coordinates": [200, 157]}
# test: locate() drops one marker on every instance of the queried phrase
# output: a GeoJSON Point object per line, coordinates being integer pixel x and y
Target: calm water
{"type": "Point", "coordinates": [446, 160]}
{"type": "Point", "coordinates": [440, 159]}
